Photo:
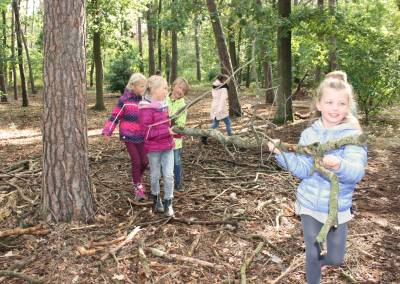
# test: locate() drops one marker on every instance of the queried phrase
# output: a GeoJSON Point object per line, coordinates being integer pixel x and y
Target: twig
{"type": "Point", "coordinates": [199, 222]}
{"type": "Point", "coordinates": [35, 230]}
{"type": "Point", "coordinates": [127, 240]}
{"type": "Point", "coordinates": [297, 261]}
{"type": "Point", "coordinates": [247, 262]}
{"type": "Point", "coordinates": [194, 245]}
{"type": "Point", "coordinates": [143, 260]}
{"type": "Point", "coordinates": [21, 276]}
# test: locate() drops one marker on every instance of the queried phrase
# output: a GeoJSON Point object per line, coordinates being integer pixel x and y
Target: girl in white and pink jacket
{"type": "Point", "coordinates": [219, 108]}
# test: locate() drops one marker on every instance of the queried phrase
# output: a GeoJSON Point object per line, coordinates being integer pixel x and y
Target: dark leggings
{"type": "Point", "coordinates": [139, 160]}
{"type": "Point", "coordinates": [336, 244]}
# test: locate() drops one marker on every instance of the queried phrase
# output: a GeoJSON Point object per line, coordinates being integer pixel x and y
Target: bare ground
{"type": "Point", "coordinates": [230, 206]}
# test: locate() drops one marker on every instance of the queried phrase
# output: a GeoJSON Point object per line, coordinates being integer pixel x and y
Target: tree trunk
{"type": "Point", "coordinates": [197, 48]}
{"type": "Point", "coordinates": [28, 59]}
{"type": "Point", "coordinates": [13, 65]}
{"type": "Point", "coordinates": [91, 72]}
{"type": "Point", "coordinates": [150, 36]}
{"type": "Point", "coordinates": [159, 31]}
{"type": "Point", "coordinates": [174, 59]}
{"type": "Point", "coordinates": [167, 59]}
{"type": "Point", "coordinates": [141, 64]}
{"type": "Point", "coordinates": [98, 64]}
{"type": "Point", "coordinates": [284, 98]}
{"type": "Point", "coordinates": [239, 75]}
{"type": "Point", "coordinates": [332, 48]}
{"type": "Point", "coordinates": [226, 65]}
{"type": "Point", "coordinates": [318, 68]}
{"type": "Point", "coordinates": [3, 63]}
{"type": "Point", "coordinates": [66, 191]}
{"type": "Point", "coordinates": [20, 58]}
{"type": "Point", "coordinates": [232, 43]}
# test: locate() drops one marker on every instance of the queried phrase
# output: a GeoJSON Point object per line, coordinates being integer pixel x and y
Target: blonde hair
{"type": "Point", "coordinates": [338, 85]}
{"type": "Point", "coordinates": [337, 74]}
{"type": "Point", "coordinates": [134, 79]}
{"type": "Point", "coordinates": [179, 81]}
{"type": "Point", "coordinates": [153, 82]}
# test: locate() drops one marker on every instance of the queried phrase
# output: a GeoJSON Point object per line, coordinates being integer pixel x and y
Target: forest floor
{"type": "Point", "coordinates": [230, 207]}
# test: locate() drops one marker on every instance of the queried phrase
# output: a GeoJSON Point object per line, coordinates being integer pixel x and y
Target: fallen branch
{"type": "Point", "coordinates": [143, 261]}
{"type": "Point", "coordinates": [177, 257]}
{"type": "Point", "coordinates": [247, 262]}
{"type": "Point", "coordinates": [294, 265]}
{"type": "Point", "coordinates": [127, 240]}
{"type": "Point", "coordinates": [35, 230]}
{"type": "Point", "coordinates": [194, 244]}
{"type": "Point", "coordinates": [199, 222]}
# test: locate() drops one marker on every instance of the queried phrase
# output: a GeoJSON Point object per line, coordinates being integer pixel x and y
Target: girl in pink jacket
{"type": "Point", "coordinates": [126, 115]}
{"type": "Point", "coordinates": [158, 142]}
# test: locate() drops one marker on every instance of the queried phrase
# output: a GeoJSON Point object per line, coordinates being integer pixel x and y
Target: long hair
{"type": "Point", "coordinates": [134, 79]}
{"type": "Point", "coordinates": [152, 83]}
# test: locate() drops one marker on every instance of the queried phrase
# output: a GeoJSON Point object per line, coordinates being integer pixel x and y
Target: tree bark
{"type": "Point", "coordinates": [66, 190]}
{"type": "Point", "coordinates": [318, 69]}
{"type": "Point", "coordinates": [13, 65]}
{"type": "Point", "coordinates": [3, 63]}
{"type": "Point", "coordinates": [174, 58]}
{"type": "Point", "coordinates": [159, 32]}
{"type": "Point", "coordinates": [28, 59]}
{"type": "Point", "coordinates": [91, 72]}
{"type": "Point", "coordinates": [167, 59]}
{"type": "Point", "coordinates": [18, 33]}
{"type": "Point", "coordinates": [197, 48]}
{"type": "Point", "coordinates": [332, 47]}
{"type": "Point", "coordinates": [150, 36]}
{"type": "Point", "coordinates": [284, 97]}
{"type": "Point", "coordinates": [226, 65]}
{"type": "Point", "coordinates": [98, 64]}
{"type": "Point", "coordinates": [140, 43]}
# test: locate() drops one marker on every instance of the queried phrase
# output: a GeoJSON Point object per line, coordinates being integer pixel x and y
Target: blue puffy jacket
{"type": "Point", "coordinates": [313, 191]}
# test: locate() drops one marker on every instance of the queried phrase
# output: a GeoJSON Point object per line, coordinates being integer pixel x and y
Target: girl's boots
{"type": "Point", "coordinates": [157, 204]}
{"type": "Point", "coordinates": [168, 211]}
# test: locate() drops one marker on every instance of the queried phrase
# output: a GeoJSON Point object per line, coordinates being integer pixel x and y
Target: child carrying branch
{"type": "Point", "coordinates": [334, 103]}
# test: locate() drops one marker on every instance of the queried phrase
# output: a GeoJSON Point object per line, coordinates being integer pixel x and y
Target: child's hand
{"type": "Point", "coordinates": [171, 132]}
{"type": "Point", "coordinates": [331, 162]}
{"type": "Point", "coordinates": [272, 147]}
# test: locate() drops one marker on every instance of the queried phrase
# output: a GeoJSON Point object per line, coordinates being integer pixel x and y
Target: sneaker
{"type": "Point", "coordinates": [157, 204]}
{"type": "Point", "coordinates": [168, 211]}
{"type": "Point", "coordinates": [140, 192]}
{"type": "Point", "coordinates": [180, 188]}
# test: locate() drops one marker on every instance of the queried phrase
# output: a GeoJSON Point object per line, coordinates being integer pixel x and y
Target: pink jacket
{"type": "Point", "coordinates": [219, 108]}
{"type": "Point", "coordinates": [153, 117]}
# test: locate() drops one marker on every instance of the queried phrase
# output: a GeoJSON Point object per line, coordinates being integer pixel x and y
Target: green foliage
{"type": "Point", "coordinates": [121, 68]}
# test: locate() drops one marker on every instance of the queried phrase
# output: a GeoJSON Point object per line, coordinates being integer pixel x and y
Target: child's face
{"type": "Point", "coordinates": [334, 106]}
{"type": "Point", "coordinates": [160, 93]}
{"type": "Point", "coordinates": [178, 91]}
{"type": "Point", "coordinates": [138, 87]}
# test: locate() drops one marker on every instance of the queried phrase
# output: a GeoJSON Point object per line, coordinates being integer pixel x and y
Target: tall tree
{"type": "Point", "coordinates": [13, 59]}
{"type": "Point", "coordinates": [159, 32]}
{"type": "Point", "coordinates": [284, 98]}
{"type": "Point", "coordinates": [332, 46]}
{"type": "Point", "coordinates": [318, 68]}
{"type": "Point", "coordinates": [28, 59]}
{"type": "Point", "coordinates": [140, 43]}
{"type": "Point", "coordinates": [226, 65]}
{"type": "Point", "coordinates": [18, 33]}
{"type": "Point", "coordinates": [167, 57]}
{"type": "Point", "coordinates": [174, 43]}
{"type": "Point", "coordinates": [66, 190]}
{"type": "Point", "coordinates": [197, 48]}
{"type": "Point", "coordinates": [3, 54]}
{"type": "Point", "coordinates": [96, 12]}
{"type": "Point", "coordinates": [150, 37]}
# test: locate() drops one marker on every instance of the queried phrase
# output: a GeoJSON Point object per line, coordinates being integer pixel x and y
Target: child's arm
{"type": "Point", "coordinates": [180, 121]}
{"type": "Point", "coordinates": [352, 164]}
{"type": "Point", "coordinates": [298, 164]}
{"type": "Point", "coordinates": [113, 121]}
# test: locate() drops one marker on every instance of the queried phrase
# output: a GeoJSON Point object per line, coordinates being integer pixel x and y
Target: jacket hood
{"type": "Point", "coordinates": [147, 102]}
{"type": "Point", "coordinates": [350, 124]}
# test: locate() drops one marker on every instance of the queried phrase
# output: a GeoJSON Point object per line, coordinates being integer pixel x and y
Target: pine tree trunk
{"type": "Point", "coordinates": [332, 47]}
{"type": "Point", "coordinates": [98, 64]}
{"type": "Point", "coordinates": [28, 59]}
{"type": "Point", "coordinates": [140, 43]}
{"type": "Point", "coordinates": [18, 32]}
{"type": "Point", "coordinates": [91, 72]}
{"type": "Point", "coordinates": [66, 191]}
{"type": "Point", "coordinates": [174, 59]}
{"type": "Point", "coordinates": [150, 36]}
{"type": "Point", "coordinates": [167, 59]}
{"type": "Point", "coordinates": [13, 65]}
{"type": "Point", "coordinates": [284, 100]}
{"type": "Point", "coordinates": [159, 34]}
{"type": "Point", "coordinates": [226, 65]}
{"type": "Point", "coordinates": [3, 63]}
{"type": "Point", "coordinates": [197, 48]}
{"type": "Point", "coordinates": [318, 68]}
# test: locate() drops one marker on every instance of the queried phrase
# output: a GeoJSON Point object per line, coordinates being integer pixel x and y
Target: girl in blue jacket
{"type": "Point", "coordinates": [334, 102]}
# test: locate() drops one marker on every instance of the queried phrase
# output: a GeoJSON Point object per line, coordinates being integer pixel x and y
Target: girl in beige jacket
{"type": "Point", "coordinates": [219, 108]}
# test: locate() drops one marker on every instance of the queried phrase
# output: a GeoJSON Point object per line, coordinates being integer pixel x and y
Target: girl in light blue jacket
{"type": "Point", "coordinates": [334, 101]}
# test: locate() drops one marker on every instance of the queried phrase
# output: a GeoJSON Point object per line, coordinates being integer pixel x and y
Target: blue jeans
{"type": "Point", "coordinates": [336, 245]}
{"type": "Point", "coordinates": [162, 161]}
{"type": "Point", "coordinates": [227, 121]}
{"type": "Point", "coordinates": [178, 167]}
